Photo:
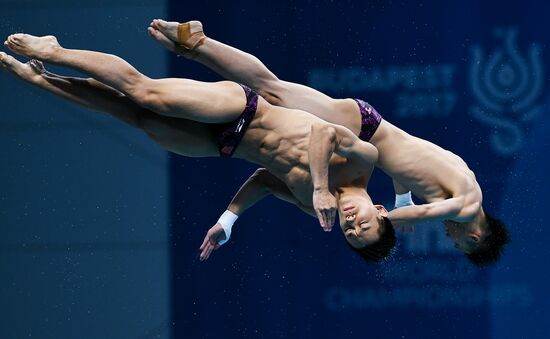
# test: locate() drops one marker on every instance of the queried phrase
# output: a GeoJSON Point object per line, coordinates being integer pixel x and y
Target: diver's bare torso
{"type": "Point", "coordinates": [278, 139]}
{"type": "Point", "coordinates": [429, 171]}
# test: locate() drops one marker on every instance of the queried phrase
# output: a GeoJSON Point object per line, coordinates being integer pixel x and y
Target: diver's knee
{"type": "Point", "coordinates": [273, 91]}
{"type": "Point", "coordinates": [148, 97]}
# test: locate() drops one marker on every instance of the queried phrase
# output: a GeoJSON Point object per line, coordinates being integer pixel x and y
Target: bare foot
{"type": "Point", "coordinates": [162, 39]}
{"type": "Point", "coordinates": [162, 31]}
{"type": "Point", "coordinates": [31, 46]}
{"type": "Point", "coordinates": [168, 28]}
{"type": "Point", "coordinates": [30, 71]}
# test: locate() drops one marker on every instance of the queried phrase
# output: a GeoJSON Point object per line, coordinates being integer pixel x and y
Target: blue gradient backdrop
{"type": "Point", "coordinates": [100, 229]}
{"type": "Point", "coordinates": [466, 75]}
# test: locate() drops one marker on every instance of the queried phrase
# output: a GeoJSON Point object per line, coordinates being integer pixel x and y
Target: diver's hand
{"type": "Point", "coordinates": [325, 207]}
{"type": "Point", "coordinates": [211, 241]}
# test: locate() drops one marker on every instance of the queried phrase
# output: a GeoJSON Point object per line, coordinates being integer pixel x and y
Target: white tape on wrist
{"type": "Point", "coordinates": [402, 200]}
{"type": "Point", "coordinates": [227, 220]}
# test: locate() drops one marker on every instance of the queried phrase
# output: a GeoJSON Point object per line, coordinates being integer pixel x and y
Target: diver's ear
{"type": "Point", "coordinates": [475, 238]}
{"type": "Point", "coordinates": [381, 210]}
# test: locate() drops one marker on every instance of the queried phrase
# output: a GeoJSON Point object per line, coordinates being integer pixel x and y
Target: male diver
{"type": "Point", "coordinates": [439, 177]}
{"type": "Point", "coordinates": [225, 119]}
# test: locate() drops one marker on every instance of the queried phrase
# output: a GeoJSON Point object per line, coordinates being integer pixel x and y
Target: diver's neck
{"type": "Point", "coordinates": [350, 191]}
{"type": "Point", "coordinates": [482, 219]}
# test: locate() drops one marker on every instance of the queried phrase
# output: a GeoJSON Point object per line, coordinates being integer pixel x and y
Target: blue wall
{"type": "Point", "coordinates": [84, 250]}
{"type": "Point", "coordinates": [469, 76]}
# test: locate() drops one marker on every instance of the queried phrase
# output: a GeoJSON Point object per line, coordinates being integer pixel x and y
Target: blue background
{"type": "Point", "coordinates": [100, 227]}
{"type": "Point", "coordinates": [280, 276]}
{"type": "Point", "coordinates": [84, 243]}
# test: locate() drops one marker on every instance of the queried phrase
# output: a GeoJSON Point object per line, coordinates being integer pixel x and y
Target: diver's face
{"type": "Point", "coordinates": [360, 221]}
{"type": "Point", "coordinates": [466, 236]}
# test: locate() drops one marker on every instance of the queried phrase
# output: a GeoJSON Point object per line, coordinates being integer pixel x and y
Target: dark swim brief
{"type": "Point", "coordinates": [370, 120]}
{"type": "Point", "coordinates": [229, 135]}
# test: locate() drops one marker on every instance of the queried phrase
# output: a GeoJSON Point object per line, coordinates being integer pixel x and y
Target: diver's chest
{"type": "Point", "coordinates": [342, 171]}
{"type": "Point", "coordinates": [300, 184]}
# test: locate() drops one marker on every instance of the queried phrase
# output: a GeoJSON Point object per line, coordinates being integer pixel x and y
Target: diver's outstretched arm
{"type": "Point", "coordinates": [440, 210]}
{"type": "Point", "coordinates": [259, 185]}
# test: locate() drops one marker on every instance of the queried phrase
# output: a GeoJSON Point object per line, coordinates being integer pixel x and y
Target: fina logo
{"type": "Point", "coordinates": [507, 87]}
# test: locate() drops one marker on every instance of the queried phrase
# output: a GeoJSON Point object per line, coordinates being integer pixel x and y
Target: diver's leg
{"type": "Point", "coordinates": [181, 98]}
{"type": "Point", "coordinates": [86, 92]}
{"type": "Point", "coordinates": [181, 136]}
{"type": "Point", "coordinates": [225, 60]}
{"type": "Point", "coordinates": [245, 68]}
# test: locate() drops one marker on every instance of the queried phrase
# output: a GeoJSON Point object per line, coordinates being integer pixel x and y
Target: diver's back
{"type": "Point", "coordinates": [428, 170]}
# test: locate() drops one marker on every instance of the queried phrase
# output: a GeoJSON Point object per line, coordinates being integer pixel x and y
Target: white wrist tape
{"type": "Point", "coordinates": [402, 200]}
{"type": "Point", "coordinates": [227, 220]}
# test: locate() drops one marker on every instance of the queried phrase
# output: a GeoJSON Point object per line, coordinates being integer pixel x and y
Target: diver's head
{"type": "Point", "coordinates": [482, 240]}
{"type": "Point", "coordinates": [366, 227]}
{"type": "Point", "coordinates": [380, 249]}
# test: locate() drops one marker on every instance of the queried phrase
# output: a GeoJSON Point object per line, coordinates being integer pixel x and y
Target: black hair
{"type": "Point", "coordinates": [381, 249]}
{"type": "Point", "coordinates": [491, 248]}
